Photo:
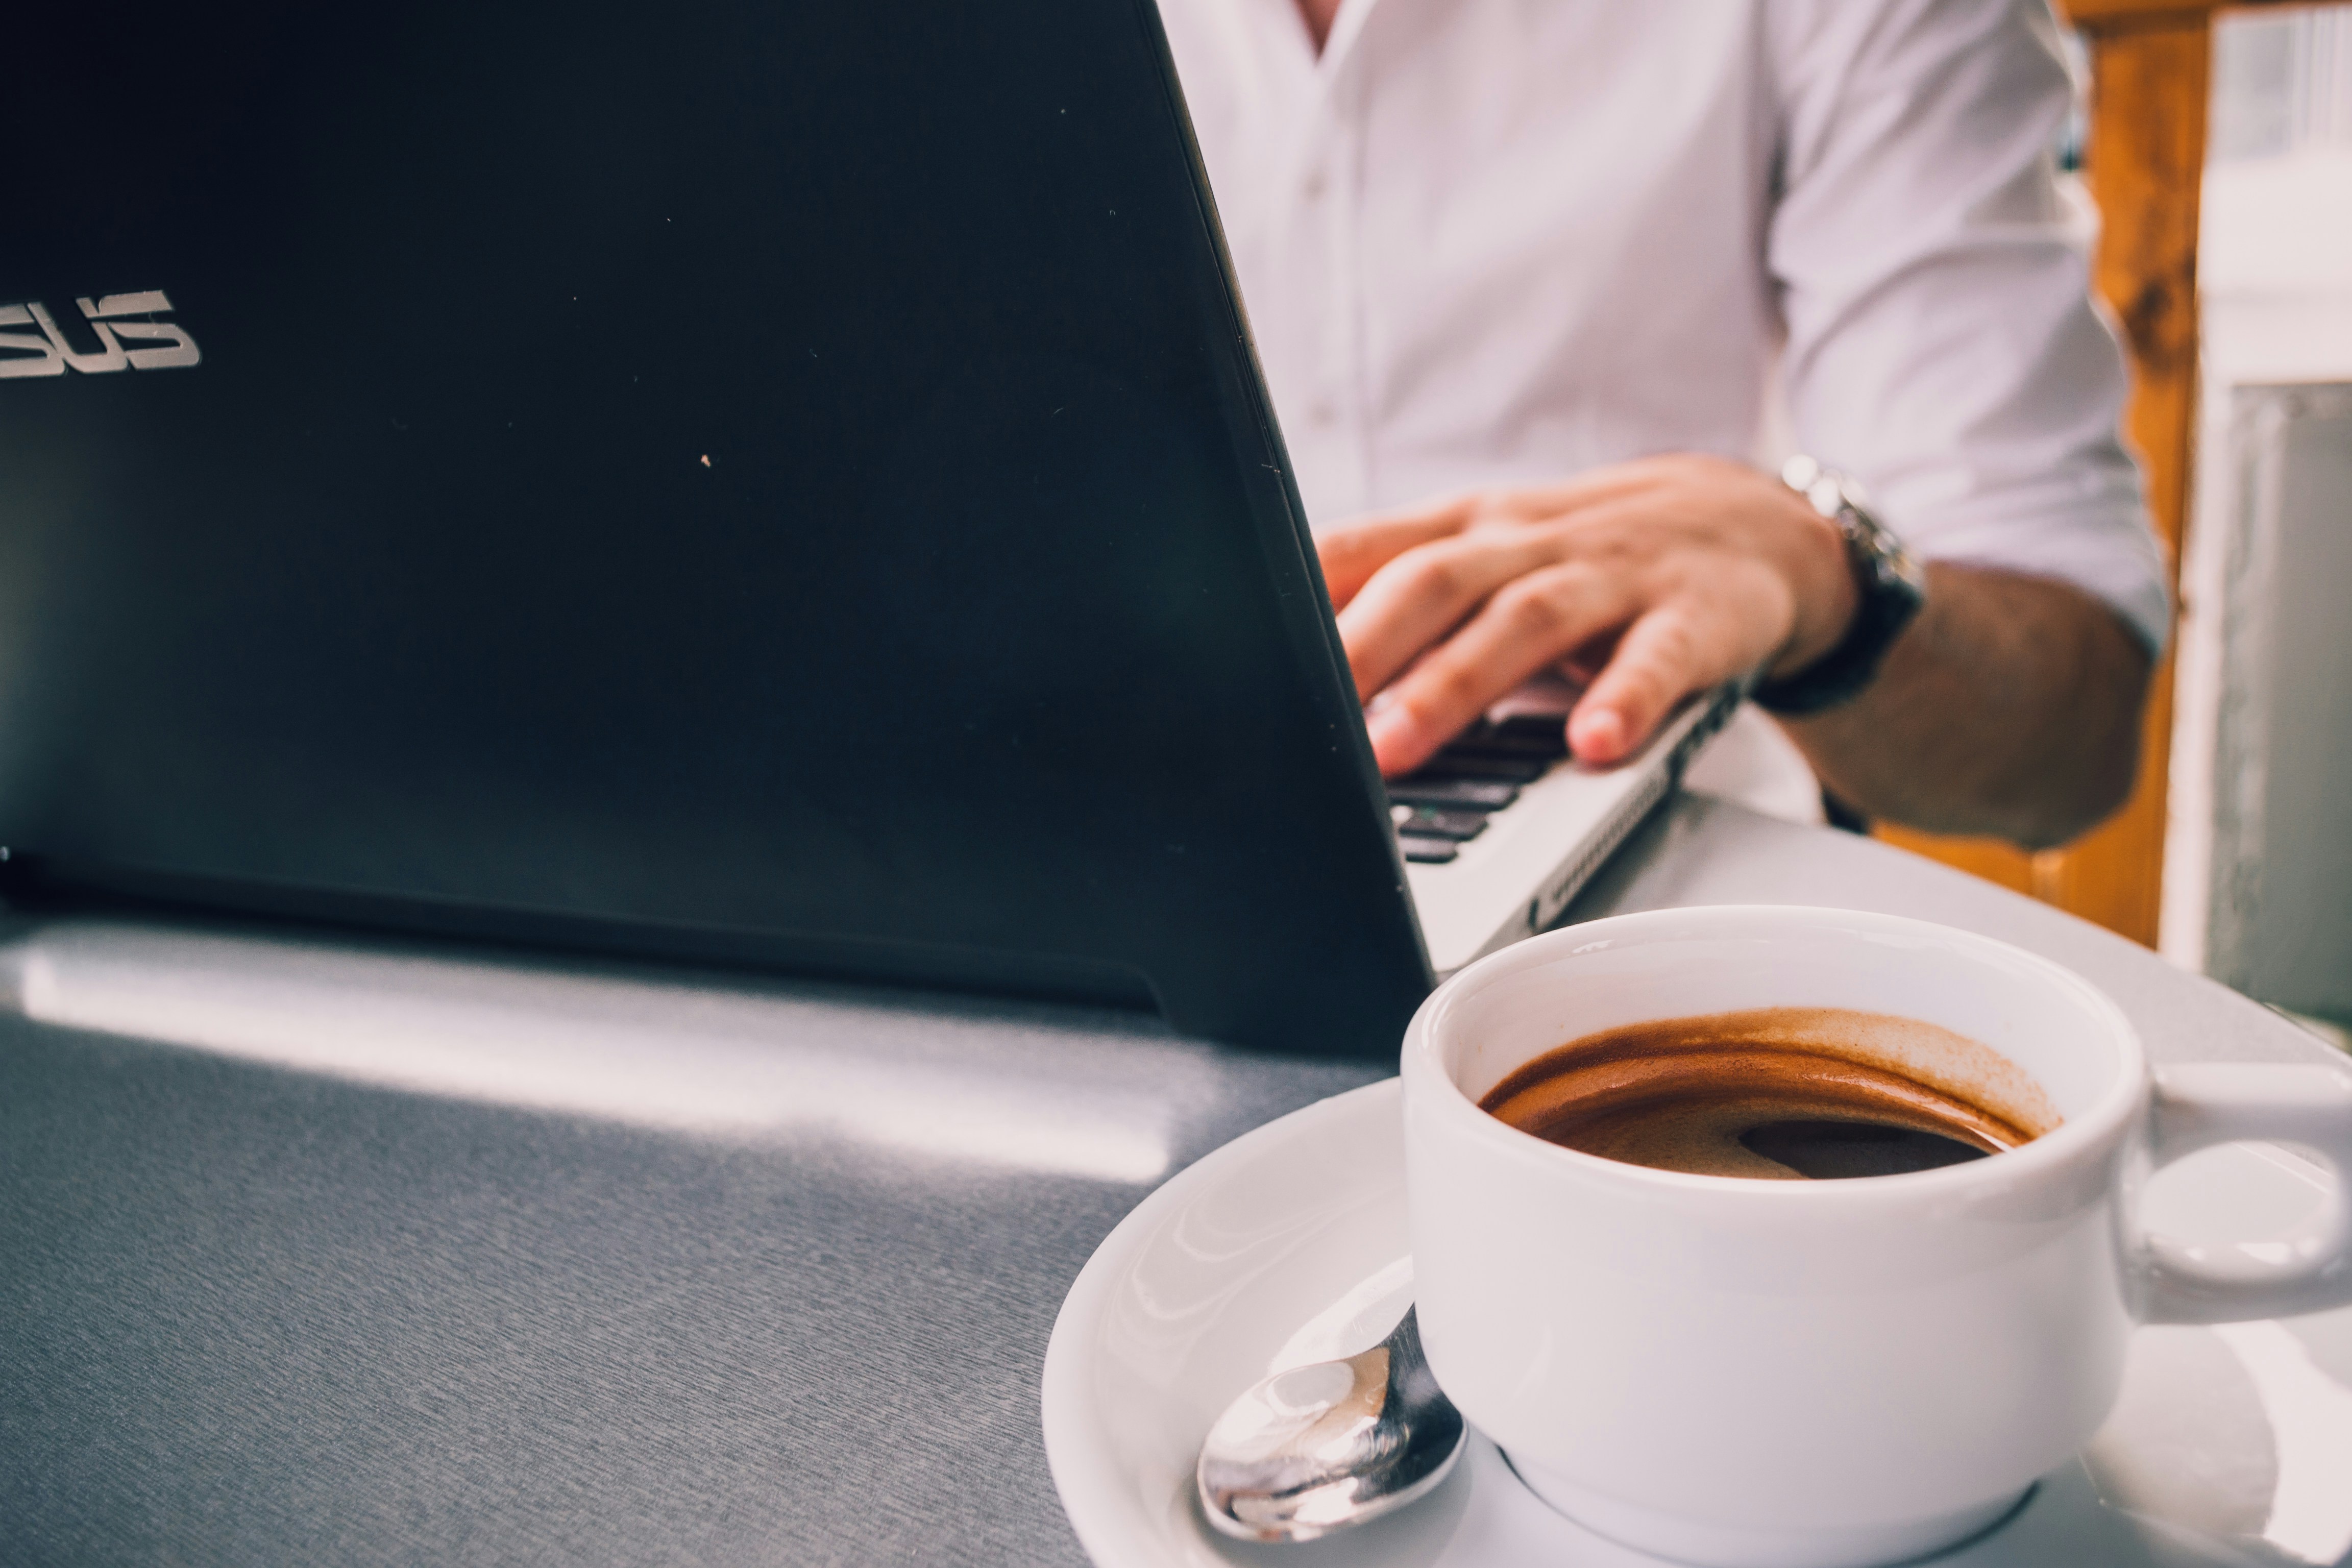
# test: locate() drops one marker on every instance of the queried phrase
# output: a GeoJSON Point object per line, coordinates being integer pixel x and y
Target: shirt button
{"type": "Point", "coordinates": [1311, 188]}
{"type": "Point", "coordinates": [1323, 412]}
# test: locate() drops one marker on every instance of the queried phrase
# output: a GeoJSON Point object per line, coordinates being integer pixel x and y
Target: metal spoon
{"type": "Point", "coordinates": [1329, 1445]}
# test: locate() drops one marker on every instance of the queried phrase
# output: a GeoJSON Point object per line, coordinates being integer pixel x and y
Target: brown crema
{"type": "Point", "coordinates": [1777, 1093]}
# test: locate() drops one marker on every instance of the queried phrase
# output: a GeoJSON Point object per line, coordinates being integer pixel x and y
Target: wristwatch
{"type": "Point", "coordinates": [1890, 583]}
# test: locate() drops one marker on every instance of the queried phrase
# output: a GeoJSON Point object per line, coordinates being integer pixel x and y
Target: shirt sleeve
{"type": "Point", "coordinates": [1942, 345]}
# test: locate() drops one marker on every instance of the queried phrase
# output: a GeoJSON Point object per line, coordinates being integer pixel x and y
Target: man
{"type": "Point", "coordinates": [1546, 257]}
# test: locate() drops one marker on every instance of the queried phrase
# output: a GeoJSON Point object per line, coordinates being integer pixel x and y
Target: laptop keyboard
{"type": "Point", "coordinates": [1445, 803]}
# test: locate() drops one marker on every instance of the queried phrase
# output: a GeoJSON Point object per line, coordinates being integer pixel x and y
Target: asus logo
{"type": "Point", "coordinates": [116, 319]}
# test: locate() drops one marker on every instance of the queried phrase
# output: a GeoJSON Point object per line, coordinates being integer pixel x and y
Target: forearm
{"type": "Point", "coordinates": [2010, 706]}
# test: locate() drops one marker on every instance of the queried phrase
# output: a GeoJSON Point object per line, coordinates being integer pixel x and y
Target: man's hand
{"type": "Point", "coordinates": [1653, 579]}
{"type": "Point", "coordinates": [2009, 705]}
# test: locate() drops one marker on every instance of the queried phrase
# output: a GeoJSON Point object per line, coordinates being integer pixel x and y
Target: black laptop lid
{"type": "Point", "coordinates": [770, 481]}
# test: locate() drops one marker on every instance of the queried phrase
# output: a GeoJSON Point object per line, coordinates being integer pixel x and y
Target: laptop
{"type": "Point", "coordinates": [780, 484]}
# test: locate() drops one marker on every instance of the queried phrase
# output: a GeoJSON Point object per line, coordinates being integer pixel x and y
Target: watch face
{"type": "Point", "coordinates": [1894, 562]}
{"type": "Point", "coordinates": [1889, 561]}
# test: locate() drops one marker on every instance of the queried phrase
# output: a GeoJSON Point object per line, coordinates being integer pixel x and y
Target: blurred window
{"type": "Point", "coordinates": [2282, 84]}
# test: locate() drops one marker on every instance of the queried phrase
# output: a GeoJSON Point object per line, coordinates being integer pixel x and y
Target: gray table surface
{"type": "Point", "coordinates": [318, 1253]}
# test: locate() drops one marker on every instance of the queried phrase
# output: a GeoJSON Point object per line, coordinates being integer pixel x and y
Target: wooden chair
{"type": "Point", "coordinates": [2145, 159]}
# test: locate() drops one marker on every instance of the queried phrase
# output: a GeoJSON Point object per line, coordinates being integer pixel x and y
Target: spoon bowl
{"type": "Point", "coordinates": [1320, 1447]}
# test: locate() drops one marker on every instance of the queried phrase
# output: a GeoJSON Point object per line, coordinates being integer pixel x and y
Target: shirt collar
{"type": "Point", "coordinates": [1286, 30]}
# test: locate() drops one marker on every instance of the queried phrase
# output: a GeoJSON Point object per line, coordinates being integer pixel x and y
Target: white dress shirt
{"type": "Point", "coordinates": [1487, 241]}
{"type": "Point", "coordinates": [1490, 241]}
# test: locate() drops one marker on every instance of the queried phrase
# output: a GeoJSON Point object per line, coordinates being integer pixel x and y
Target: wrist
{"type": "Point", "coordinates": [1884, 590]}
{"type": "Point", "coordinates": [1826, 590]}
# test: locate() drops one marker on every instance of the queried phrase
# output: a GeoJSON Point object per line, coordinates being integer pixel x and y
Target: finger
{"type": "Point", "coordinates": [1669, 653]}
{"type": "Point", "coordinates": [1418, 598]}
{"type": "Point", "coordinates": [1526, 627]}
{"type": "Point", "coordinates": [1351, 553]}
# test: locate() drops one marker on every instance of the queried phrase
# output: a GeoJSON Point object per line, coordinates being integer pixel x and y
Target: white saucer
{"type": "Point", "coordinates": [2230, 1445]}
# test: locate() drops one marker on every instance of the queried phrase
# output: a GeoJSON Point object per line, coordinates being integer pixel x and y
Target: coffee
{"type": "Point", "coordinates": [1777, 1093]}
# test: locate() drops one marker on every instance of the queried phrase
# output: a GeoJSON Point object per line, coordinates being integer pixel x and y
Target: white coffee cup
{"type": "Point", "coordinates": [1758, 1373]}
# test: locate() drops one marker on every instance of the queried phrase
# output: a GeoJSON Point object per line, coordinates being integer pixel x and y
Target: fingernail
{"type": "Point", "coordinates": [1601, 734]}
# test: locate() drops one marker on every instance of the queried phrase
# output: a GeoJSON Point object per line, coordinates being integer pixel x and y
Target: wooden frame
{"type": "Point", "coordinates": [2145, 159]}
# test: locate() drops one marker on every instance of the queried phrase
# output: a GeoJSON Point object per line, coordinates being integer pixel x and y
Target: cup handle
{"type": "Point", "coordinates": [2216, 1103]}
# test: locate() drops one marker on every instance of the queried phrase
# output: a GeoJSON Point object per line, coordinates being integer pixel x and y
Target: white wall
{"type": "Point", "coordinates": [2275, 273]}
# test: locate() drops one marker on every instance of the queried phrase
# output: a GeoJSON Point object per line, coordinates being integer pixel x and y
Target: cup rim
{"type": "Point", "coordinates": [1421, 1059]}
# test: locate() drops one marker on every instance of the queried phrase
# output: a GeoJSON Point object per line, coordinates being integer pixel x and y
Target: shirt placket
{"type": "Point", "coordinates": [1329, 193]}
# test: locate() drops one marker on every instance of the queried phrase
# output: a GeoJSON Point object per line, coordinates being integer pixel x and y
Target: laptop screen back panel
{"type": "Point", "coordinates": [782, 481]}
